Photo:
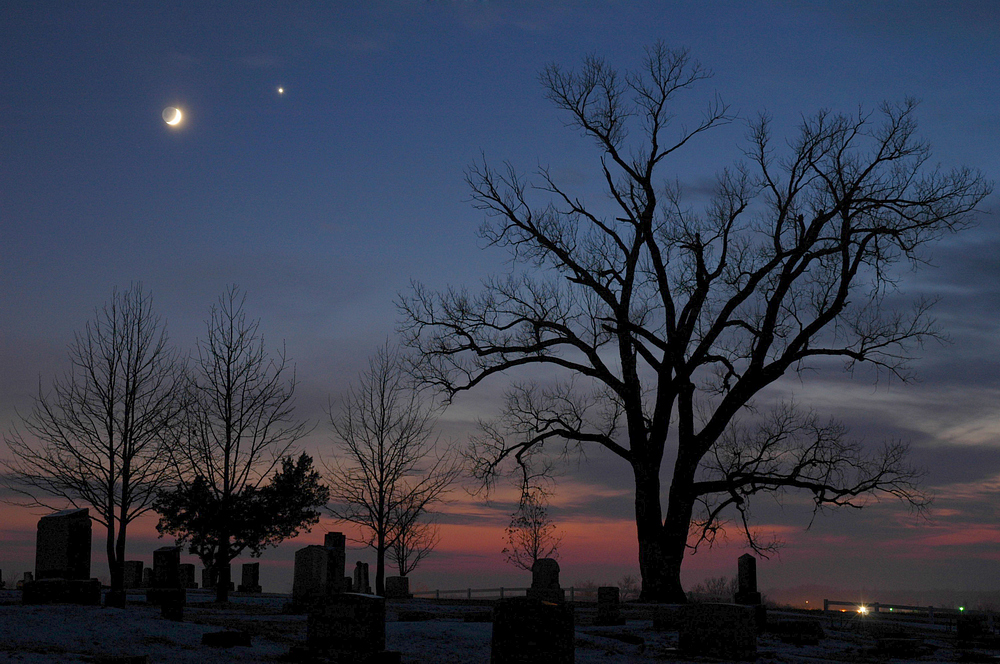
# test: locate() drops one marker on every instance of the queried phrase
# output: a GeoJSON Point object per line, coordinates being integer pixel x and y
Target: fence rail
{"type": "Point", "coordinates": [488, 593]}
{"type": "Point", "coordinates": [932, 614]}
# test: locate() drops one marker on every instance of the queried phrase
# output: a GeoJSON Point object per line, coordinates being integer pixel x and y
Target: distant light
{"type": "Point", "coordinates": [961, 608]}
{"type": "Point", "coordinates": [281, 91]}
{"type": "Point", "coordinates": [863, 610]}
{"type": "Point", "coordinates": [890, 608]}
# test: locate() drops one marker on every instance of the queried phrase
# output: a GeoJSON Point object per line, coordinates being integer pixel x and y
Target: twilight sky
{"type": "Point", "coordinates": [325, 201]}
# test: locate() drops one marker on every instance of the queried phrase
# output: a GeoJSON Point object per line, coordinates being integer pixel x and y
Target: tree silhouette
{"type": "Point", "coordinates": [661, 322]}
{"type": "Point", "coordinates": [254, 518]}
{"type": "Point", "coordinates": [100, 438]}
{"type": "Point", "coordinates": [531, 534]}
{"type": "Point", "coordinates": [239, 426]}
{"type": "Point", "coordinates": [387, 473]}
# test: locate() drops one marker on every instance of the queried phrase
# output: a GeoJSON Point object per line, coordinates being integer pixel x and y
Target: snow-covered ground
{"type": "Point", "coordinates": [64, 633]}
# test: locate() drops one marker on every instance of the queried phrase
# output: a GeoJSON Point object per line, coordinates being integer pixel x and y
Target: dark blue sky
{"type": "Point", "coordinates": [325, 201]}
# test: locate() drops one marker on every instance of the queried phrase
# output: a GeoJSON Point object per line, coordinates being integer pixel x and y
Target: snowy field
{"type": "Point", "coordinates": [64, 633]}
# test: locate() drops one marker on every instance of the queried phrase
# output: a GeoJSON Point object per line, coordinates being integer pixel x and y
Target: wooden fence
{"type": "Point", "coordinates": [935, 615]}
{"type": "Point", "coordinates": [573, 594]}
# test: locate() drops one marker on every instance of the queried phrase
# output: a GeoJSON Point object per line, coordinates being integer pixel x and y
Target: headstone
{"type": "Point", "coordinates": [166, 567]}
{"type": "Point", "coordinates": [309, 580]}
{"type": "Point", "coordinates": [62, 546]}
{"type": "Point", "coordinates": [545, 581]}
{"type": "Point", "coordinates": [336, 544]}
{"type": "Point", "coordinates": [28, 577]}
{"type": "Point", "coordinates": [608, 607]}
{"type": "Point", "coordinates": [361, 583]}
{"type": "Point", "coordinates": [397, 587]}
{"type": "Point", "coordinates": [147, 577]}
{"type": "Point", "coordinates": [724, 631]}
{"type": "Point", "coordinates": [185, 574]}
{"type": "Point", "coordinates": [208, 579]}
{"type": "Point", "coordinates": [356, 582]}
{"type": "Point", "coordinates": [250, 582]}
{"type": "Point", "coordinates": [133, 573]}
{"type": "Point", "coordinates": [347, 627]}
{"type": "Point", "coordinates": [526, 629]}
{"type": "Point", "coordinates": [746, 592]}
{"type": "Point", "coordinates": [3, 584]}
{"type": "Point", "coordinates": [62, 561]}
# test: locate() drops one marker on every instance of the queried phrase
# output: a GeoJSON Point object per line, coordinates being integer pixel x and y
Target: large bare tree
{"type": "Point", "coordinates": [98, 438]}
{"type": "Point", "coordinates": [660, 321]}
{"type": "Point", "coordinates": [387, 471]}
{"type": "Point", "coordinates": [240, 426]}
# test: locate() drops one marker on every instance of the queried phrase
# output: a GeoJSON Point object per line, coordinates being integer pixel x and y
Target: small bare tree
{"type": "Point", "coordinates": [387, 472]}
{"type": "Point", "coordinates": [531, 534]}
{"type": "Point", "coordinates": [240, 425]}
{"type": "Point", "coordinates": [413, 541]}
{"type": "Point", "coordinates": [99, 438]}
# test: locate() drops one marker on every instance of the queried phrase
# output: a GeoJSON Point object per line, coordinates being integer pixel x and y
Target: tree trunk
{"type": "Point", "coordinates": [222, 561]}
{"type": "Point", "coordinates": [663, 542]}
{"type": "Point", "coordinates": [380, 569]}
{"type": "Point", "coordinates": [117, 566]}
{"type": "Point", "coordinates": [109, 545]}
{"type": "Point", "coordinates": [677, 525]}
{"type": "Point", "coordinates": [649, 527]}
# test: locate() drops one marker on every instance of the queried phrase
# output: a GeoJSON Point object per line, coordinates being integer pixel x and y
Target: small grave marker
{"type": "Point", "coordinates": [250, 582]}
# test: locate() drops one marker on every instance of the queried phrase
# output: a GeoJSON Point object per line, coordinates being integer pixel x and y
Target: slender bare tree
{"type": "Point", "coordinates": [412, 541]}
{"type": "Point", "coordinates": [387, 471]}
{"type": "Point", "coordinates": [660, 321]}
{"type": "Point", "coordinates": [531, 534]}
{"type": "Point", "coordinates": [98, 438]}
{"type": "Point", "coordinates": [240, 424]}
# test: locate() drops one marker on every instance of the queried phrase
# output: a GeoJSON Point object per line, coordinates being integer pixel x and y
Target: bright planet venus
{"type": "Point", "coordinates": [171, 115]}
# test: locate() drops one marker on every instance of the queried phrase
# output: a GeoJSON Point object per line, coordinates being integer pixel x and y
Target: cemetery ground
{"type": "Point", "coordinates": [430, 631]}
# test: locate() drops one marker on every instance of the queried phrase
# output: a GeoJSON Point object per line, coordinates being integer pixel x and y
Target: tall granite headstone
{"type": "Point", "coordinates": [336, 546]}
{"type": "Point", "coordinates": [62, 546]}
{"type": "Point", "coordinates": [133, 574]}
{"type": "Point", "coordinates": [62, 561]}
{"type": "Point", "coordinates": [746, 592]}
{"type": "Point", "coordinates": [185, 574]}
{"type": "Point", "coordinates": [309, 580]}
{"type": "Point", "coordinates": [166, 567]}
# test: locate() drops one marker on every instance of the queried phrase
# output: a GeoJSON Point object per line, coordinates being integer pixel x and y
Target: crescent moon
{"type": "Point", "coordinates": [171, 115]}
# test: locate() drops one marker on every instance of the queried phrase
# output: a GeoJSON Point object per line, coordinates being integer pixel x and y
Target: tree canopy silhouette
{"type": "Point", "coordinates": [660, 321]}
